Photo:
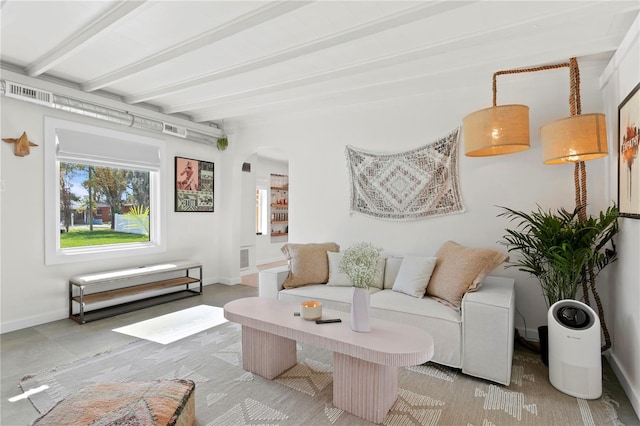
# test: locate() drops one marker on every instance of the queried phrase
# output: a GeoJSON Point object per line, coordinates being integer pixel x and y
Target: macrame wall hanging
{"type": "Point", "coordinates": [405, 186]}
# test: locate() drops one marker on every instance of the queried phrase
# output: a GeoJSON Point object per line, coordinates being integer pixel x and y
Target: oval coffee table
{"type": "Point", "coordinates": [365, 365]}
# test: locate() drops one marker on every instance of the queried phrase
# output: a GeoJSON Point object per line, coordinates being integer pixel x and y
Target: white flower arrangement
{"type": "Point", "coordinates": [360, 263]}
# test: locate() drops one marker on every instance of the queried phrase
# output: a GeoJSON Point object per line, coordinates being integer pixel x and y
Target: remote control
{"type": "Point", "coordinates": [327, 321]}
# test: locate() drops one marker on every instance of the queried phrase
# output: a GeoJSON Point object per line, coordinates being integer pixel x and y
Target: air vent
{"type": "Point", "coordinates": [244, 258]}
{"type": "Point", "coordinates": [246, 167]}
{"type": "Point", "coordinates": [171, 129]}
{"type": "Point", "coordinates": [29, 94]}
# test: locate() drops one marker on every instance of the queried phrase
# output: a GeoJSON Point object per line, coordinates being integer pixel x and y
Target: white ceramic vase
{"type": "Point", "coordinates": [360, 301]}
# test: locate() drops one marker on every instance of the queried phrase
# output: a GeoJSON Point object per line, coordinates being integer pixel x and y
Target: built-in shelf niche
{"type": "Point", "coordinates": [279, 206]}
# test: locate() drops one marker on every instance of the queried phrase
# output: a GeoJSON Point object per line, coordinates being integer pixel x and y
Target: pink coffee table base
{"type": "Point", "coordinates": [362, 388]}
{"type": "Point", "coordinates": [365, 365]}
{"type": "Point", "coordinates": [266, 354]}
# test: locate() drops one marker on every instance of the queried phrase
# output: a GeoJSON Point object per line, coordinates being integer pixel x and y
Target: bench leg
{"type": "Point", "coordinates": [265, 354]}
{"type": "Point", "coordinates": [363, 388]}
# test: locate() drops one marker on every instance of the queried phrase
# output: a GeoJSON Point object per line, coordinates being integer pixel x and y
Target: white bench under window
{"type": "Point", "coordinates": [124, 286]}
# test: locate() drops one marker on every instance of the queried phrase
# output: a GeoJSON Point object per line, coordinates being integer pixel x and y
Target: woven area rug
{"type": "Point", "coordinates": [227, 395]}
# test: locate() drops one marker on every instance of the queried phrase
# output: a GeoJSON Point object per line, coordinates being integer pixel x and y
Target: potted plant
{"type": "Point", "coordinates": [360, 264]}
{"type": "Point", "coordinates": [222, 142]}
{"type": "Point", "coordinates": [564, 252]}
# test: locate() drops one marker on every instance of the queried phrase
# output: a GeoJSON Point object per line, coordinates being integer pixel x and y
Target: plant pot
{"type": "Point", "coordinates": [360, 301]}
{"type": "Point", "coordinates": [222, 143]}
{"type": "Point", "coordinates": [543, 335]}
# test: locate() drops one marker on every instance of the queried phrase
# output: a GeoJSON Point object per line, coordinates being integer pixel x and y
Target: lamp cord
{"type": "Point", "coordinates": [575, 108]}
{"type": "Point", "coordinates": [531, 69]}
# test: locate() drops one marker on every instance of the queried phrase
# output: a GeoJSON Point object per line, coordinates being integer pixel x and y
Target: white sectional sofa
{"type": "Point", "coordinates": [477, 337]}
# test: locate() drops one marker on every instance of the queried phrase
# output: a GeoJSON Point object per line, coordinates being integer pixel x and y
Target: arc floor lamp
{"type": "Point", "coordinates": [578, 138]}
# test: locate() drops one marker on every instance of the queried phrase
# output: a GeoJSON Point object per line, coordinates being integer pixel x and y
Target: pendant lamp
{"type": "Point", "coordinates": [576, 138]}
{"type": "Point", "coordinates": [504, 129]}
{"type": "Point", "coordinates": [497, 130]}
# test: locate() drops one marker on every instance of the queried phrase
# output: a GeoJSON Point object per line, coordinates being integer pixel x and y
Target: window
{"type": "Point", "coordinates": [104, 185]}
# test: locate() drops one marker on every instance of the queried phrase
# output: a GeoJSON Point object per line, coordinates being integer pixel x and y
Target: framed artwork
{"type": "Point", "coordinates": [628, 158]}
{"type": "Point", "coordinates": [194, 185]}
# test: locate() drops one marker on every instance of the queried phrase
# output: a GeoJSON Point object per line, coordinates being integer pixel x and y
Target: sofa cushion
{"type": "Point", "coordinates": [460, 269]}
{"type": "Point", "coordinates": [414, 275]}
{"type": "Point", "coordinates": [336, 297]}
{"type": "Point", "coordinates": [441, 322]}
{"type": "Point", "coordinates": [392, 266]}
{"type": "Point", "coordinates": [308, 263]}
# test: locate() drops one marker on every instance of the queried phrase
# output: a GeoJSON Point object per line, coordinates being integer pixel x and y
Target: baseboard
{"type": "Point", "coordinates": [632, 393]}
{"type": "Point", "coordinates": [528, 334]}
{"type": "Point", "coordinates": [7, 327]}
{"type": "Point", "coordinates": [33, 321]}
{"type": "Point", "coordinates": [230, 281]}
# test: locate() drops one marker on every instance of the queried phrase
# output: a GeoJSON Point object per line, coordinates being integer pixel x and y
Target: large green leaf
{"type": "Point", "coordinates": [556, 246]}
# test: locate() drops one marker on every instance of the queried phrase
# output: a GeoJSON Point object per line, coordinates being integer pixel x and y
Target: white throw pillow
{"type": "Point", "coordinates": [336, 276]}
{"type": "Point", "coordinates": [392, 266]}
{"type": "Point", "coordinates": [414, 274]}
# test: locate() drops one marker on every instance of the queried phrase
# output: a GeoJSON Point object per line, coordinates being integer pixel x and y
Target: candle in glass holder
{"type": "Point", "coordinates": [311, 310]}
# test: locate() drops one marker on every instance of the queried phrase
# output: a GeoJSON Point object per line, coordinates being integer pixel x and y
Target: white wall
{"type": "Point", "coordinates": [248, 234]}
{"type": "Point", "coordinates": [620, 77]}
{"type": "Point", "coordinates": [33, 293]}
{"type": "Point", "coordinates": [319, 182]}
{"type": "Point", "coordinates": [248, 217]}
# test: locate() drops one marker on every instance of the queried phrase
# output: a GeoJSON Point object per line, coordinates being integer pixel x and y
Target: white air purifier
{"type": "Point", "coordinates": [575, 363]}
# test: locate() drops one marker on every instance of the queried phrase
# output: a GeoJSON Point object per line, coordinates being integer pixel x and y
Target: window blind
{"type": "Point", "coordinates": [77, 147]}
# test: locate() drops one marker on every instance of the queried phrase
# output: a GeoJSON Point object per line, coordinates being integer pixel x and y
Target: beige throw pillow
{"type": "Point", "coordinates": [460, 269]}
{"type": "Point", "coordinates": [308, 263]}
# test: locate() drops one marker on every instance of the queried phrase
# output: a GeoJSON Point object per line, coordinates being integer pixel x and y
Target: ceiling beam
{"type": "Point", "coordinates": [256, 17]}
{"type": "Point", "coordinates": [426, 82]}
{"type": "Point", "coordinates": [406, 16]}
{"type": "Point", "coordinates": [469, 40]}
{"type": "Point", "coordinates": [81, 38]}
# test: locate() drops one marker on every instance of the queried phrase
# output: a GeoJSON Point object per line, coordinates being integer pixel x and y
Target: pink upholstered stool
{"type": "Point", "coordinates": [162, 402]}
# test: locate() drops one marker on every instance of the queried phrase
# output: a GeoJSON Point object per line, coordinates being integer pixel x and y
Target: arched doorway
{"type": "Point", "coordinates": [264, 212]}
